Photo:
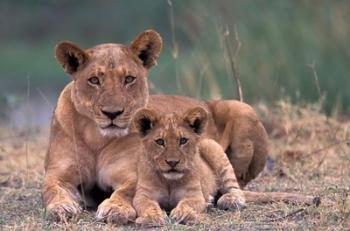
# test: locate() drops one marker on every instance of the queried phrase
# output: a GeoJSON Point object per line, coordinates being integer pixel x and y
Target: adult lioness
{"type": "Point", "coordinates": [109, 85]}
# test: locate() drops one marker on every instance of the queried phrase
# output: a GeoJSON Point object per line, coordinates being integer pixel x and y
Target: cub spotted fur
{"type": "Point", "coordinates": [178, 170]}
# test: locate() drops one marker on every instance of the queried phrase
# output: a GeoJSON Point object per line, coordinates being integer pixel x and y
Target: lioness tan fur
{"type": "Point", "coordinates": [109, 84]}
{"type": "Point", "coordinates": [90, 127]}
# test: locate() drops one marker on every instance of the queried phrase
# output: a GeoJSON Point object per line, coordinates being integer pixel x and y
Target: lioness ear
{"type": "Point", "coordinates": [144, 121]}
{"type": "Point", "coordinates": [147, 46]}
{"type": "Point", "coordinates": [196, 118]}
{"type": "Point", "coordinates": [70, 56]}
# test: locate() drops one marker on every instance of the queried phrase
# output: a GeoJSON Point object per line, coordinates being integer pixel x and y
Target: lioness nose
{"type": "Point", "coordinates": [172, 163]}
{"type": "Point", "coordinates": [112, 114]}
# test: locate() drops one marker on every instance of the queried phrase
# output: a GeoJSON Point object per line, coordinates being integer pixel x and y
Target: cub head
{"type": "Point", "coordinates": [170, 141]}
{"type": "Point", "coordinates": [109, 80]}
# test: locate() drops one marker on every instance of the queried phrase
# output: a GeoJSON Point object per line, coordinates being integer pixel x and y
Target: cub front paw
{"type": "Point", "coordinates": [63, 210]}
{"type": "Point", "coordinates": [232, 201]}
{"type": "Point", "coordinates": [184, 215]}
{"type": "Point", "coordinates": [114, 211]}
{"type": "Point", "coordinates": [152, 220]}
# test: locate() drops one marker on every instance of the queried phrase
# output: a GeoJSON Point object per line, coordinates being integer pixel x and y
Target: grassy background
{"type": "Point", "coordinates": [279, 39]}
{"type": "Point", "coordinates": [309, 143]}
{"type": "Point", "coordinates": [310, 155]}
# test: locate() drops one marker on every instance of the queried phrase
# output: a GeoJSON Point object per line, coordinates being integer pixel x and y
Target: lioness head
{"type": "Point", "coordinates": [110, 79]}
{"type": "Point", "coordinates": [170, 141]}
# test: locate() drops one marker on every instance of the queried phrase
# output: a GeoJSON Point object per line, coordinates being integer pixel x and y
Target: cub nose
{"type": "Point", "coordinates": [172, 163]}
{"type": "Point", "coordinates": [112, 114]}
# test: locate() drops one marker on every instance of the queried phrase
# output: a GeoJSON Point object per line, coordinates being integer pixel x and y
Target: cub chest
{"type": "Point", "coordinates": [168, 199]}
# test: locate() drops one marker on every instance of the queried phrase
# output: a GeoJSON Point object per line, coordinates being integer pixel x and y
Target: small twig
{"type": "Point", "coordinates": [28, 131]}
{"type": "Point", "coordinates": [172, 27]}
{"type": "Point", "coordinates": [200, 81]}
{"type": "Point", "coordinates": [312, 67]}
{"type": "Point", "coordinates": [175, 48]}
{"type": "Point", "coordinates": [326, 147]}
{"type": "Point", "coordinates": [286, 216]}
{"type": "Point", "coordinates": [237, 41]}
{"type": "Point", "coordinates": [321, 160]}
{"type": "Point", "coordinates": [233, 59]}
{"type": "Point", "coordinates": [44, 97]}
{"type": "Point", "coordinates": [325, 154]}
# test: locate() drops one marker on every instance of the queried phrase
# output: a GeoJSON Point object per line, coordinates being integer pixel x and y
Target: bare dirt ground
{"type": "Point", "coordinates": [310, 154]}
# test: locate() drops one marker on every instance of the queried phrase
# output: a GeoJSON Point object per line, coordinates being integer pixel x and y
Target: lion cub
{"type": "Point", "coordinates": [179, 170]}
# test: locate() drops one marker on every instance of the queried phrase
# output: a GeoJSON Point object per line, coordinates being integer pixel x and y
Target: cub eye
{"type": "Point", "coordinates": [129, 79]}
{"type": "Point", "coordinates": [160, 142]}
{"type": "Point", "coordinates": [183, 140]}
{"type": "Point", "coordinates": [94, 80]}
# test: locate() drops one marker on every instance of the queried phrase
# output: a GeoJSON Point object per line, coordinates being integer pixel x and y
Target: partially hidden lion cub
{"type": "Point", "coordinates": [181, 172]}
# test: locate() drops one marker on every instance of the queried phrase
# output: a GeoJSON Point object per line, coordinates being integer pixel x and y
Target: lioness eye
{"type": "Point", "coordinates": [94, 80]}
{"type": "Point", "coordinates": [129, 79]}
{"type": "Point", "coordinates": [160, 142]}
{"type": "Point", "coordinates": [183, 140]}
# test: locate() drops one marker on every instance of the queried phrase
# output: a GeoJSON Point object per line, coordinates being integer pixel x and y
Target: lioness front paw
{"type": "Point", "coordinates": [62, 210]}
{"type": "Point", "coordinates": [232, 201]}
{"type": "Point", "coordinates": [150, 220]}
{"type": "Point", "coordinates": [184, 215]}
{"type": "Point", "coordinates": [114, 211]}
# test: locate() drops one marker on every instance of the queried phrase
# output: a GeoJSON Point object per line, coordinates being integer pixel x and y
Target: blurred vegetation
{"type": "Point", "coordinates": [279, 39]}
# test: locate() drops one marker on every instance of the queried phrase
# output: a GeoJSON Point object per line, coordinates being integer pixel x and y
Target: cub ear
{"type": "Point", "coordinates": [70, 56]}
{"type": "Point", "coordinates": [144, 121]}
{"type": "Point", "coordinates": [196, 118]}
{"type": "Point", "coordinates": [147, 46]}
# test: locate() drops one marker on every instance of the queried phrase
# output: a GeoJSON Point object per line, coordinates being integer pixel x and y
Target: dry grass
{"type": "Point", "coordinates": [310, 155]}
